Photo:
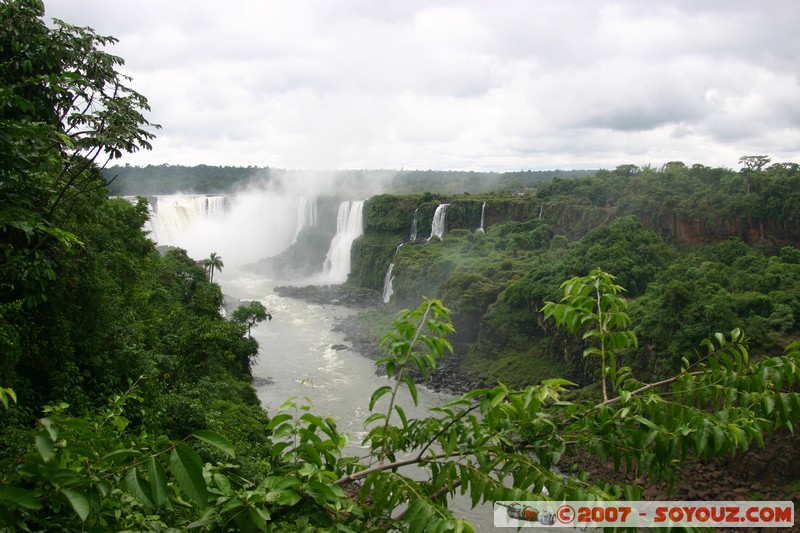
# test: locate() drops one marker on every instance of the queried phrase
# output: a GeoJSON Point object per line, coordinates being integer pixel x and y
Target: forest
{"type": "Point", "coordinates": [699, 250]}
{"type": "Point", "coordinates": [646, 317]}
{"type": "Point", "coordinates": [131, 180]}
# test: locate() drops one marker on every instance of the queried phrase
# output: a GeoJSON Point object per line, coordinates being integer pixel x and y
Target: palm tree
{"type": "Point", "coordinates": [214, 262]}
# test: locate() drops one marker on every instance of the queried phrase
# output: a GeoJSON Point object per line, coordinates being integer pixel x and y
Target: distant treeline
{"type": "Point", "coordinates": [205, 179]}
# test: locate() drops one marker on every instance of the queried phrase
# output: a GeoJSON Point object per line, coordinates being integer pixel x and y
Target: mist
{"type": "Point", "coordinates": [311, 217]}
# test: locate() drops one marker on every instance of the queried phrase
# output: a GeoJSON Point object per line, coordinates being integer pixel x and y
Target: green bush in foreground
{"type": "Point", "coordinates": [494, 444]}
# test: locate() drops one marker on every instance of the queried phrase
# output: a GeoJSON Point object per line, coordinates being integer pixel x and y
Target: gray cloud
{"type": "Point", "coordinates": [459, 84]}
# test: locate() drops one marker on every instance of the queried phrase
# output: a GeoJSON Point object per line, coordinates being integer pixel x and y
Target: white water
{"type": "Point", "coordinates": [388, 280]}
{"type": "Point", "coordinates": [482, 229]}
{"type": "Point", "coordinates": [249, 226]}
{"type": "Point", "coordinates": [439, 224]}
{"type": "Point", "coordinates": [349, 226]}
{"type": "Point", "coordinates": [177, 214]}
{"type": "Point", "coordinates": [241, 228]}
{"type": "Point", "coordinates": [306, 215]}
{"type": "Point", "coordinates": [413, 236]}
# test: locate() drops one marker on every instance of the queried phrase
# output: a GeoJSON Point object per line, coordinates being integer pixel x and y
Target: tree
{"type": "Point", "coordinates": [214, 262]}
{"type": "Point", "coordinates": [593, 303]}
{"type": "Point", "coordinates": [251, 314]}
{"type": "Point", "coordinates": [754, 163]}
{"type": "Point", "coordinates": [65, 111]}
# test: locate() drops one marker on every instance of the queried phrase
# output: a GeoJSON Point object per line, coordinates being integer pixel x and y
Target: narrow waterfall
{"type": "Point", "coordinates": [306, 215]}
{"type": "Point", "coordinates": [541, 210]}
{"type": "Point", "coordinates": [438, 226]}
{"type": "Point", "coordinates": [388, 280]}
{"type": "Point", "coordinates": [482, 229]}
{"type": "Point", "coordinates": [387, 284]}
{"type": "Point", "coordinates": [349, 226]}
{"type": "Point", "coordinates": [413, 236]}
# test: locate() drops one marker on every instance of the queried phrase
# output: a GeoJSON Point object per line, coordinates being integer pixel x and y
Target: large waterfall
{"type": "Point", "coordinates": [250, 226]}
{"type": "Point", "coordinates": [240, 228]}
{"type": "Point", "coordinates": [438, 226]}
{"type": "Point", "coordinates": [349, 226]}
{"type": "Point", "coordinates": [174, 215]}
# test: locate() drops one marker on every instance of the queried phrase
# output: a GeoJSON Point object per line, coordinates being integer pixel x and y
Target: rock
{"type": "Point", "coordinates": [339, 347]}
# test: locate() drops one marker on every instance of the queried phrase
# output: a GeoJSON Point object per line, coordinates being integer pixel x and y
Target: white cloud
{"type": "Point", "coordinates": [459, 84]}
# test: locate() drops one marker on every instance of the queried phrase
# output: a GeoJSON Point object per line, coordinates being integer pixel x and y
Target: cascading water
{"type": "Point", "coordinates": [241, 228]}
{"type": "Point", "coordinates": [349, 226]}
{"type": "Point", "coordinates": [175, 214]}
{"type": "Point", "coordinates": [388, 280]}
{"type": "Point", "coordinates": [306, 215]}
{"type": "Point", "coordinates": [413, 236]}
{"type": "Point", "coordinates": [482, 229]}
{"type": "Point", "coordinates": [438, 226]}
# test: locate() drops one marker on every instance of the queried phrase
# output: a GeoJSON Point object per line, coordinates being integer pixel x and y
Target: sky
{"type": "Point", "coordinates": [499, 85]}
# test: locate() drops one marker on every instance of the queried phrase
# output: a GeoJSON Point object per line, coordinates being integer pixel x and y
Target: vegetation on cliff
{"type": "Point", "coordinates": [699, 249]}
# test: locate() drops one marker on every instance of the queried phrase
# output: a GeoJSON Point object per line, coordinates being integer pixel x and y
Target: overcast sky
{"type": "Point", "coordinates": [473, 85]}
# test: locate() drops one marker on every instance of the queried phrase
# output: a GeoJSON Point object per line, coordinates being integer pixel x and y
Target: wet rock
{"type": "Point", "coordinates": [332, 295]}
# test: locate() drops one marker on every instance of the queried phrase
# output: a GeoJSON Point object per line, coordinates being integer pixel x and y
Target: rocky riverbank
{"type": "Point", "coordinates": [332, 295]}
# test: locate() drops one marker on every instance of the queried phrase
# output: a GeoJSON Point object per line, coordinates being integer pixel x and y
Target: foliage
{"type": "Point", "coordinates": [250, 314]}
{"type": "Point", "coordinates": [212, 263]}
{"type": "Point", "coordinates": [592, 303]}
{"type": "Point", "coordinates": [490, 444]}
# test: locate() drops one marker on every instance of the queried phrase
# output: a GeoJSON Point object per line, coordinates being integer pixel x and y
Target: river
{"type": "Point", "coordinates": [299, 357]}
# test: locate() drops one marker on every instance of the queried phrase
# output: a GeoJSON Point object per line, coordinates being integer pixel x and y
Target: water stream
{"type": "Point", "coordinates": [302, 356]}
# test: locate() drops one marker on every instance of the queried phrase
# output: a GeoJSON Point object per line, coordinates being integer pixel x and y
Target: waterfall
{"type": "Point", "coordinates": [306, 215]}
{"type": "Point", "coordinates": [482, 229]}
{"type": "Point", "coordinates": [413, 236]}
{"type": "Point", "coordinates": [241, 228]}
{"type": "Point", "coordinates": [349, 226]}
{"type": "Point", "coordinates": [541, 210]}
{"type": "Point", "coordinates": [175, 214]}
{"type": "Point", "coordinates": [438, 226]}
{"type": "Point", "coordinates": [387, 284]}
{"type": "Point", "coordinates": [388, 280]}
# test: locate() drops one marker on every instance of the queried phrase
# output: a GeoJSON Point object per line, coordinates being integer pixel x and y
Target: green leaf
{"type": "Point", "coordinates": [377, 395]}
{"type": "Point", "coordinates": [216, 440]}
{"type": "Point", "coordinates": [158, 481]}
{"type": "Point", "coordinates": [123, 453]}
{"type": "Point", "coordinates": [19, 497]}
{"type": "Point", "coordinates": [402, 415]}
{"type": "Point", "coordinates": [79, 502]}
{"type": "Point", "coordinates": [187, 467]}
{"type": "Point", "coordinates": [139, 487]}
{"type": "Point", "coordinates": [45, 447]}
{"type": "Point", "coordinates": [412, 389]}
{"type": "Point", "coordinates": [373, 417]}
{"type": "Point", "coordinates": [278, 419]}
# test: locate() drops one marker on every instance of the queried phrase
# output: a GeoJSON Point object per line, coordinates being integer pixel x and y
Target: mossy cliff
{"type": "Point", "coordinates": [496, 281]}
